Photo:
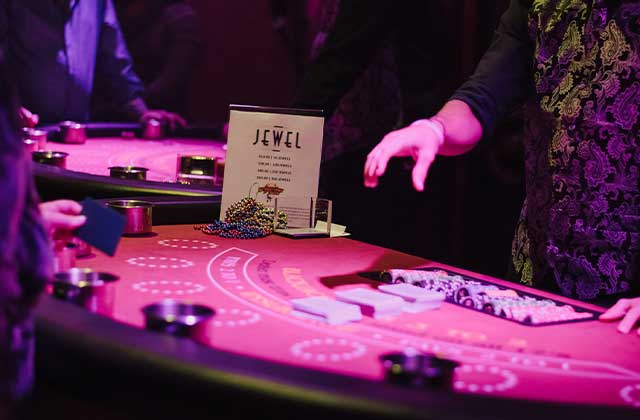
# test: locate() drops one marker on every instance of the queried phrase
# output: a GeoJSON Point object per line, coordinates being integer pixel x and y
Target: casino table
{"type": "Point", "coordinates": [119, 144]}
{"type": "Point", "coordinates": [256, 355]}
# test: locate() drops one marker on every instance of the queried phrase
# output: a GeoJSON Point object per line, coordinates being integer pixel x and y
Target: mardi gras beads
{"type": "Point", "coordinates": [245, 219]}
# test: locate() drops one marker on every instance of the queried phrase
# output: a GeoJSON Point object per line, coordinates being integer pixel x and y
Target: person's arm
{"type": "Point", "coordinates": [350, 46]}
{"type": "Point", "coordinates": [504, 75]}
{"type": "Point", "coordinates": [453, 131]}
{"type": "Point", "coordinates": [114, 66]}
{"type": "Point", "coordinates": [502, 79]}
{"type": "Point", "coordinates": [181, 56]}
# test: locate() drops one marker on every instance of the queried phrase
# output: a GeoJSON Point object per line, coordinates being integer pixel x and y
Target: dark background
{"type": "Point", "coordinates": [247, 61]}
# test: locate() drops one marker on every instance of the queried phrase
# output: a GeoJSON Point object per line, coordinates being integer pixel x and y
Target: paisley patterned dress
{"type": "Point", "coordinates": [579, 229]}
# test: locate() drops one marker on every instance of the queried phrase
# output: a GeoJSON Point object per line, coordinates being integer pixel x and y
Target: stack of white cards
{"type": "Point", "coordinates": [371, 302]}
{"type": "Point", "coordinates": [417, 299]}
{"type": "Point", "coordinates": [322, 308]}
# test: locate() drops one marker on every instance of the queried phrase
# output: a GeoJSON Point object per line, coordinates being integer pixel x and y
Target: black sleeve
{"type": "Point", "coordinates": [181, 57]}
{"type": "Point", "coordinates": [359, 28]}
{"type": "Point", "coordinates": [113, 62]}
{"type": "Point", "coordinates": [504, 76]}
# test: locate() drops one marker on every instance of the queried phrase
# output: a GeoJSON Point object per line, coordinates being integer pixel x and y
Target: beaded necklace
{"type": "Point", "coordinates": [245, 219]}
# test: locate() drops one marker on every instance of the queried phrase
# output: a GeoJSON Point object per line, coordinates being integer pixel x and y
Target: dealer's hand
{"type": "Point", "coordinates": [61, 217]}
{"type": "Point", "coordinates": [172, 120]}
{"type": "Point", "coordinates": [417, 141]}
{"type": "Point", "coordinates": [626, 309]}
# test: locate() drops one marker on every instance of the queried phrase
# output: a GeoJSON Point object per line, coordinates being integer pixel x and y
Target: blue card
{"type": "Point", "coordinates": [103, 227]}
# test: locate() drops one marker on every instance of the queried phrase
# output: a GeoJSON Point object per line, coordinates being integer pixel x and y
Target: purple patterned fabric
{"type": "Point", "coordinates": [580, 224]}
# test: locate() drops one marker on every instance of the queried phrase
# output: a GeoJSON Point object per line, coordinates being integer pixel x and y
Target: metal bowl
{"type": "Point", "coordinates": [85, 287]}
{"type": "Point", "coordinates": [136, 173]}
{"type": "Point", "coordinates": [39, 136]}
{"type": "Point", "coordinates": [177, 318]}
{"type": "Point", "coordinates": [64, 256]}
{"type": "Point", "coordinates": [30, 145]}
{"type": "Point", "coordinates": [72, 132]}
{"type": "Point", "coordinates": [196, 165]}
{"type": "Point", "coordinates": [153, 129]}
{"type": "Point", "coordinates": [48, 157]}
{"type": "Point", "coordinates": [415, 369]}
{"type": "Point", "coordinates": [137, 213]}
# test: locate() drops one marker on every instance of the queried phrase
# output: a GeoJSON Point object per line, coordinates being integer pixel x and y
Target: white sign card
{"type": "Point", "coordinates": [272, 152]}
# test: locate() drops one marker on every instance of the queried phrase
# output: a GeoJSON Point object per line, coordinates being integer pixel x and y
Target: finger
{"type": "Point", "coordinates": [629, 320]}
{"type": "Point", "coordinates": [370, 162]}
{"type": "Point", "coordinates": [28, 119]}
{"type": "Point", "coordinates": [617, 311]}
{"type": "Point", "coordinates": [370, 181]}
{"type": "Point", "coordinates": [64, 221]}
{"type": "Point", "coordinates": [420, 170]}
{"type": "Point", "coordinates": [181, 121]}
{"type": "Point", "coordinates": [63, 206]}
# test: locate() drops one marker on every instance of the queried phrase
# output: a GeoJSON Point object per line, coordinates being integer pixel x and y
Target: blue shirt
{"type": "Point", "coordinates": [56, 54]}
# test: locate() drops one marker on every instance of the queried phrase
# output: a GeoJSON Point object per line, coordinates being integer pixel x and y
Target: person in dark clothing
{"type": "Point", "coordinates": [575, 64]}
{"type": "Point", "coordinates": [57, 49]}
{"type": "Point", "coordinates": [163, 37]}
{"type": "Point", "coordinates": [378, 64]}
{"type": "Point", "coordinates": [26, 227]}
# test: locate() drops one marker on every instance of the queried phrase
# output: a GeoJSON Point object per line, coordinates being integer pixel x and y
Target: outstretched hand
{"type": "Point", "coordinates": [418, 141]}
{"type": "Point", "coordinates": [628, 310]}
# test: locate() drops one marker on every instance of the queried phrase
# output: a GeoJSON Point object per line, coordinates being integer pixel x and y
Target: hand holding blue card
{"type": "Point", "coordinates": [103, 227]}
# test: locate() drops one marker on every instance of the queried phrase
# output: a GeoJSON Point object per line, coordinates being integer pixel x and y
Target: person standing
{"type": "Point", "coordinates": [57, 49]}
{"type": "Point", "coordinates": [575, 65]}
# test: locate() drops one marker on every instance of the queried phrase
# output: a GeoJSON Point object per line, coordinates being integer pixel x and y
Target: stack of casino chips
{"type": "Point", "coordinates": [541, 314]}
{"type": "Point", "coordinates": [489, 298]}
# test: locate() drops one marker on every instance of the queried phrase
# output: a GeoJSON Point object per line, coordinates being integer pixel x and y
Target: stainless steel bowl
{"type": "Point", "coordinates": [30, 145]}
{"type": "Point", "coordinates": [196, 165]}
{"type": "Point", "coordinates": [153, 129]}
{"type": "Point", "coordinates": [177, 318]}
{"type": "Point", "coordinates": [138, 214]}
{"type": "Point", "coordinates": [85, 287]}
{"type": "Point", "coordinates": [64, 256]}
{"type": "Point", "coordinates": [39, 136]}
{"type": "Point", "coordinates": [72, 132]}
{"type": "Point", "coordinates": [49, 157]}
{"type": "Point", "coordinates": [137, 173]}
{"type": "Point", "coordinates": [415, 369]}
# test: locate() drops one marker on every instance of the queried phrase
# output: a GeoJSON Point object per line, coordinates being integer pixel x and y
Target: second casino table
{"type": "Point", "coordinates": [86, 172]}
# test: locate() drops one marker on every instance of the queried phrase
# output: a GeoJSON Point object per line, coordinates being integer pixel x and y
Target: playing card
{"type": "Point", "coordinates": [326, 309]}
{"type": "Point", "coordinates": [103, 227]}
{"type": "Point", "coordinates": [371, 302]}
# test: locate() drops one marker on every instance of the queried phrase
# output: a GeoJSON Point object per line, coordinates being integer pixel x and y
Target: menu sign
{"type": "Point", "coordinates": [271, 152]}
